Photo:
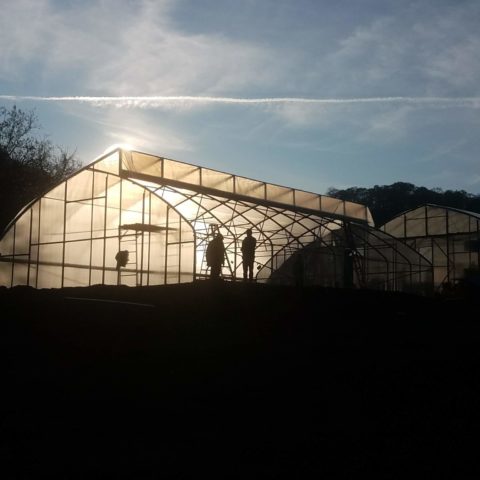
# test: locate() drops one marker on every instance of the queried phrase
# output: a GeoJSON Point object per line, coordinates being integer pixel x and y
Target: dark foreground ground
{"type": "Point", "coordinates": [237, 381]}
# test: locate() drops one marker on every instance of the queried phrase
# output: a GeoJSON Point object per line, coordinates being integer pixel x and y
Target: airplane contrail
{"type": "Point", "coordinates": [158, 101]}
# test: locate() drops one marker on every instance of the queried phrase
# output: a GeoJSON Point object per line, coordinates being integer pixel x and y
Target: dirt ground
{"type": "Point", "coordinates": [237, 381]}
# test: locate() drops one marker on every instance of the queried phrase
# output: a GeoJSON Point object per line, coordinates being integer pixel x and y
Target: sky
{"type": "Point", "coordinates": [310, 94]}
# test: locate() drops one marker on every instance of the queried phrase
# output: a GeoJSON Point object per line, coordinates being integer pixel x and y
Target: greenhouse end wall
{"type": "Point", "coordinates": [70, 237]}
{"type": "Point", "coordinates": [448, 237]}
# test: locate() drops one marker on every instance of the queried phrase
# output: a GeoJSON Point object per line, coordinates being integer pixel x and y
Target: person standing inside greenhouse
{"type": "Point", "coordinates": [248, 255]}
{"type": "Point", "coordinates": [216, 256]}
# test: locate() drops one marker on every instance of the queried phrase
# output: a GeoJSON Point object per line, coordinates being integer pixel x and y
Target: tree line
{"type": "Point", "coordinates": [387, 201]}
{"type": "Point", "coordinates": [30, 163]}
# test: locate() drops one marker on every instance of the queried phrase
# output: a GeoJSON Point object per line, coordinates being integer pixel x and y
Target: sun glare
{"type": "Point", "coordinates": [115, 146]}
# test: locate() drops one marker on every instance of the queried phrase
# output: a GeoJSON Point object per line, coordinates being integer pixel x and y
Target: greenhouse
{"type": "Point", "coordinates": [163, 213]}
{"type": "Point", "coordinates": [448, 237]}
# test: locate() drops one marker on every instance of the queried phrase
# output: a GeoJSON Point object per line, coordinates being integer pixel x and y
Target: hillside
{"type": "Point", "coordinates": [387, 201]}
{"type": "Point", "coordinates": [237, 381]}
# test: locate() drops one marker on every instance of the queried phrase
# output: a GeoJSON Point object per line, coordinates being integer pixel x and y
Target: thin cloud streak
{"type": "Point", "coordinates": [160, 101]}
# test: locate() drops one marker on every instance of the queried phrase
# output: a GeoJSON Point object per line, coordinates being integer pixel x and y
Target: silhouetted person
{"type": "Point", "coordinates": [248, 255]}
{"type": "Point", "coordinates": [216, 256]}
{"type": "Point", "coordinates": [122, 259]}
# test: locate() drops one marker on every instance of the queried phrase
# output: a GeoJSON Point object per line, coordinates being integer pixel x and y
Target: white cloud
{"type": "Point", "coordinates": [114, 47]}
{"type": "Point", "coordinates": [124, 48]}
{"type": "Point", "coordinates": [414, 51]}
{"type": "Point", "coordinates": [371, 54]}
{"type": "Point", "coordinates": [387, 126]}
{"type": "Point", "coordinates": [22, 35]}
{"type": "Point", "coordinates": [458, 66]}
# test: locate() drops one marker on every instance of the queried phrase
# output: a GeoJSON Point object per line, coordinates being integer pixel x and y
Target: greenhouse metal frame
{"type": "Point", "coordinates": [164, 212]}
{"type": "Point", "coordinates": [448, 237]}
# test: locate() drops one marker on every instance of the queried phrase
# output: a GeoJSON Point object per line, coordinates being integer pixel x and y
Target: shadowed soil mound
{"type": "Point", "coordinates": [237, 381]}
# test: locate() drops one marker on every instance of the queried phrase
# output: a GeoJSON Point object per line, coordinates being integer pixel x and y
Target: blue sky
{"type": "Point", "coordinates": [418, 60]}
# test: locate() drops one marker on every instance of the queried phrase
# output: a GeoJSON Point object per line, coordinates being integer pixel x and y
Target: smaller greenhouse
{"type": "Point", "coordinates": [448, 237]}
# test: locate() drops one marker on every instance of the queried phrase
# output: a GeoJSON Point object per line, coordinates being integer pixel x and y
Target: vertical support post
{"type": "Point", "coordinates": [91, 231]}
{"type": "Point", "coordinates": [30, 246]}
{"type": "Point", "coordinates": [105, 229]}
{"type": "Point", "coordinates": [13, 253]}
{"type": "Point", "coordinates": [411, 272]}
{"type": "Point", "coordinates": [447, 230]}
{"type": "Point", "coordinates": [142, 236]}
{"type": "Point", "coordinates": [426, 220]}
{"type": "Point", "coordinates": [194, 255]}
{"type": "Point", "coordinates": [179, 249]}
{"type": "Point", "coordinates": [235, 251]}
{"type": "Point", "coordinates": [166, 246]}
{"type": "Point", "coordinates": [149, 235]}
{"type": "Point", "coordinates": [470, 249]}
{"type": "Point", "coordinates": [38, 242]}
{"type": "Point", "coordinates": [478, 242]}
{"type": "Point", "coordinates": [271, 257]}
{"type": "Point", "coordinates": [64, 231]}
{"type": "Point", "coordinates": [120, 232]}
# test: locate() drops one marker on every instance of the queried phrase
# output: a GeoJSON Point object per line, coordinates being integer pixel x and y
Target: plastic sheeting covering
{"type": "Point", "coordinates": [165, 212]}
{"type": "Point", "coordinates": [449, 238]}
{"type": "Point", "coordinates": [226, 184]}
{"type": "Point", "coordinates": [70, 236]}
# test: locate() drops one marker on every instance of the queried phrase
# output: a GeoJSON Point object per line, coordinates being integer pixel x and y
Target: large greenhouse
{"type": "Point", "coordinates": [448, 237]}
{"type": "Point", "coordinates": [164, 213]}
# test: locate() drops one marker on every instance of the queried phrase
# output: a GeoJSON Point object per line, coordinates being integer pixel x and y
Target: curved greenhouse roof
{"type": "Point", "coordinates": [164, 212]}
{"type": "Point", "coordinates": [430, 219]}
{"type": "Point", "coordinates": [448, 237]}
